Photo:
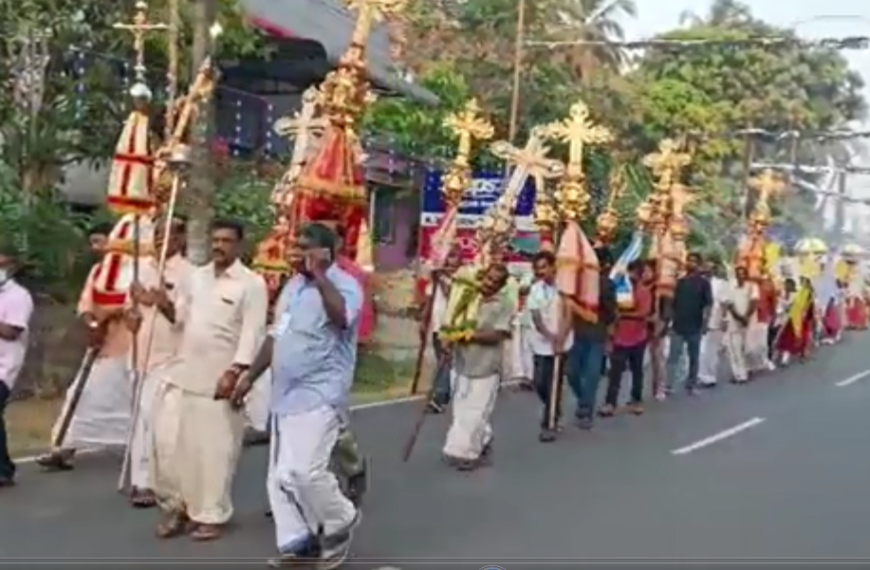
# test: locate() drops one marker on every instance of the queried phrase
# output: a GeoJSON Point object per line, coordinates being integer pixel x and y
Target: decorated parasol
{"type": "Point", "coordinates": [578, 274]}
{"type": "Point", "coordinates": [130, 192]}
{"type": "Point", "coordinates": [811, 246]}
{"type": "Point", "coordinates": [305, 129]}
{"type": "Point", "coordinates": [331, 185]}
{"type": "Point", "coordinates": [852, 252]}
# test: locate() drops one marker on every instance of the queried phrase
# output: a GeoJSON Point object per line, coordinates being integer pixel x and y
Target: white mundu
{"type": "Point", "coordinates": [739, 298]}
{"type": "Point", "coordinates": [163, 343]}
{"type": "Point", "coordinates": [197, 439]}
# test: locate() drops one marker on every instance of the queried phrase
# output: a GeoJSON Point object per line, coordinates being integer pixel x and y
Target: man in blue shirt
{"type": "Point", "coordinates": [312, 351]}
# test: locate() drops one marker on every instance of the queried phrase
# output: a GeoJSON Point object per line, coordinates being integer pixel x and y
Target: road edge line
{"type": "Point", "coordinates": [717, 437]}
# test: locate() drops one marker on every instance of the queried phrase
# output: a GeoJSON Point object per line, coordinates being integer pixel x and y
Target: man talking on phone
{"type": "Point", "coordinates": [312, 353]}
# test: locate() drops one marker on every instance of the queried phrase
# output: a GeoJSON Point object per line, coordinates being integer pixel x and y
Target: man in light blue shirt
{"type": "Point", "coordinates": [312, 351]}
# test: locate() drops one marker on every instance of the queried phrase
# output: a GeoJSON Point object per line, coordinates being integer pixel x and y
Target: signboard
{"type": "Point", "coordinates": [482, 194]}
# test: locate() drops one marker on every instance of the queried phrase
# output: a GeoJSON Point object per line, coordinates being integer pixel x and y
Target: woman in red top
{"type": "Point", "coordinates": [630, 334]}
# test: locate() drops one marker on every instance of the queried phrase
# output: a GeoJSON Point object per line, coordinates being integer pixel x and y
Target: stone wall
{"type": "Point", "coordinates": [57, 344]}
{"type": "Point", "coordinates": [57, 340]}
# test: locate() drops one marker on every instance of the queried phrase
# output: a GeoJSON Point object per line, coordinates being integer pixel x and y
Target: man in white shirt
{"type": "Point", "coordinates": [16, 308]}
{"type": "Point", "coordinates": [713, 341]}
{"type": "Point", "coordinates": [437, 293]}
{"type": "Point", "coordinates": [549, 339]}
{"type": "Point", "coordinates": [740, 308]}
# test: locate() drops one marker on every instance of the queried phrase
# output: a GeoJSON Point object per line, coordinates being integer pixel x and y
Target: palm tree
{"type": "Point", "coordinates": [597, 21]}
{"type": "Point", "coordinates": [721, 13]}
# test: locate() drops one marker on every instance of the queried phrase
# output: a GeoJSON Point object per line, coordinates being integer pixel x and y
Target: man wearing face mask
{"type": "Point", "coordinates": [197, 429]}
{"type": "Point", "coordinates": [16, 308]}
{"type": "Point", "coordinates": [312, 353]}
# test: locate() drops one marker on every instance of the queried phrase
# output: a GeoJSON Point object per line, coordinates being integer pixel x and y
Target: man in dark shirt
{"type": "Point", "coordinates": [690, 310]}
{"type": "Point", "coordinates": [587, 353]}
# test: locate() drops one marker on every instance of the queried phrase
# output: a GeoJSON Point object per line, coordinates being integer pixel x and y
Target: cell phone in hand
{"type": "Point", "coordinates": [317, 257]}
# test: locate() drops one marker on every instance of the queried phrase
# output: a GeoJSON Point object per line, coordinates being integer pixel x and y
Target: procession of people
{"type": "Point", "coordinates": [181, 359]}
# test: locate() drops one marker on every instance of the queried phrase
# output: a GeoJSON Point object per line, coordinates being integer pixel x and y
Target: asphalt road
{"type": "Point", "coordinates": [776, 469]}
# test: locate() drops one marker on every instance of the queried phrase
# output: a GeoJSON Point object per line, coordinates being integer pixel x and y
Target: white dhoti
{"type": "Point", "coordinates": [303, 493]}
{"type": "Point", "coordinates": [197, 441]}
{"type": "Point", "coordinates": [473, 403]}
{"type": "Point", "coordinates": [143, 433]}
{"type": "Point", "coordinates": [520, 359]}
{"type": "Point", "coordinates": [711, 349]}
{"type": "Point", "coordinates": [756, 347]}
{"type": "Point", "coordinates": [102, 416]}
{"type": "Point", "coordinates": [737, 345]}
{"type": "Point", "coordinates": [257, 403]}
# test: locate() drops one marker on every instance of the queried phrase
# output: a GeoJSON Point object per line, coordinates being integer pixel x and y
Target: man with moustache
{"type": "Point", "coordinates": [198, 431]}
{"type": "Point", "coordinates": [157, 331]}
{"type": "Point", "coordinates": [312, 353]}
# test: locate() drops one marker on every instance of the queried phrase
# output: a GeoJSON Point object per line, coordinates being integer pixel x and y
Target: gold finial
{"type": "Point", "coordinates": [577, 130]}
{"type": "Point", "coordinates": [344, 93]}
{"type": "Point", "coordinates": [768, 184]}
{"type": "Point", "coordinates": [371, 12]}
{"type": "Point", "coordinates": [668, 162]}
{"type": "Point", "coordinates": [139, 27]}
{"type": "Point", "coordinates": [466, 125]}
{"type": "Point", "coordinates": [666, 165]}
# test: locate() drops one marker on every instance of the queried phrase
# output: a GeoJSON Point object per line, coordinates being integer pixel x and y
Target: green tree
{"type": "Point", "coordinates": [420, 130]}
{"type": "Point", "coordinates": [64, 65]}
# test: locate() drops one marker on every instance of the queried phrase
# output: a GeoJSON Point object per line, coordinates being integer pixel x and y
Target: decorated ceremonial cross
{"type": "Point", "coordinates": [304, 128]}
{"type": "Point", "coordinates": [467, 125]}
{"type": "Point", "coordinates": [139, 27]}
{"type": "Point", "coordinates": [578, 131]}
{"type": "Point", "coordinates": [768, 184]}
{"type": "Point", "coordinates": [496, 230]}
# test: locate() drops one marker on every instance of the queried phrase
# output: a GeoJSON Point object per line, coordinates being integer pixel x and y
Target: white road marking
{"type": "Point", "coordinates": [852, 379]}
{"type": "Point", "coordinates": [730, 432]}
{"type": "Point", "coordinates": [358, 407]}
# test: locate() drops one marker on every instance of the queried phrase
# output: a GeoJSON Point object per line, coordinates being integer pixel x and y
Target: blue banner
{"type": "Point", "coordinates": [478, 198]}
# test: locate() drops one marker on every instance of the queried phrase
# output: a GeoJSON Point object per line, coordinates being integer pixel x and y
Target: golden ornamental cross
{"type": "Point", "coordinates": [304, 127]}
{"type": "Point", "coordinates": [370, 12]}
{"type": "Point", "coordinates": [577, 130]}
{"type": "Point", "coordinates": [668, 161]}
{"type": "Point", "coordinates": [467, 124]}
{"type": "Point", "coordinates": [139, 27]}
{"type": "Point", "coordinates": [768, 184]}
{"type": "Point", "coordinates": [531, 160]}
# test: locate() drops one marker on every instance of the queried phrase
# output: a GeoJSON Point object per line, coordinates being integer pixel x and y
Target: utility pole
{"type": "Point", "coordinates": [201, 189]}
